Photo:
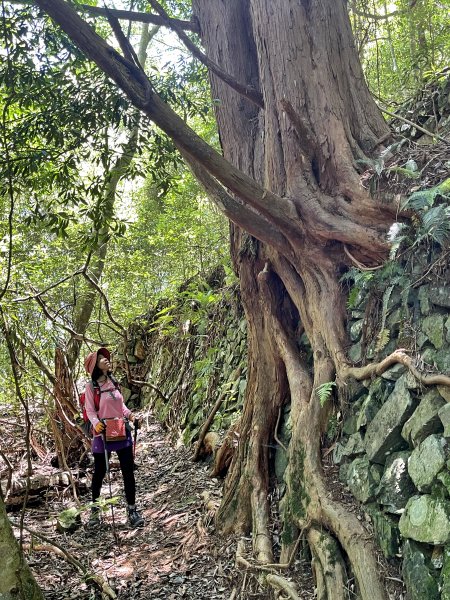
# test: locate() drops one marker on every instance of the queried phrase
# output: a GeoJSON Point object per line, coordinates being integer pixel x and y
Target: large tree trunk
{"type": "Point", "coordinates": [16, 581]}
{"type": "Point", "coordinates": [318, 118]}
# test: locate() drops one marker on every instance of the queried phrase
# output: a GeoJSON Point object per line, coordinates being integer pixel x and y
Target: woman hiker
{"type": "Point", "coordinates": [110, 407]}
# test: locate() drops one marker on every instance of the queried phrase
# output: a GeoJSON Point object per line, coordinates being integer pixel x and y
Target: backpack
{"type": "Point", "coordinates": [97, 393]}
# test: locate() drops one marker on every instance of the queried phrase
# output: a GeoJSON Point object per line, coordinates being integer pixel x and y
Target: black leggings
{"type": "Point", "coordinates": [126, 466]}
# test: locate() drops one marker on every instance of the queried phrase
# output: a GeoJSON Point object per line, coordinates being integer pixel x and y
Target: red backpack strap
{"type": "Point", "coordinates": [97, 394]}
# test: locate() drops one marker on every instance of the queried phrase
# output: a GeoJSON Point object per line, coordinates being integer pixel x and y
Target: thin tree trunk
{"type": "Point", "coordinates": [16, 581]}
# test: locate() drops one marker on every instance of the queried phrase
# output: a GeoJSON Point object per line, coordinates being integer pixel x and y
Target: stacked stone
{"type": "Point", "coordinates": [394, 455]}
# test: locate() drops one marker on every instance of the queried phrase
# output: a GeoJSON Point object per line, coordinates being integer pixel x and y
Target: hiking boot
{"type": "Point", "coordinates": [135, 519]}
{"type": "Point", "coordinates": [94, 518]}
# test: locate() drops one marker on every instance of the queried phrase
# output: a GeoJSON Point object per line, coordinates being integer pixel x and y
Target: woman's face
{"type": "Point", "coordinates": [103, 363]}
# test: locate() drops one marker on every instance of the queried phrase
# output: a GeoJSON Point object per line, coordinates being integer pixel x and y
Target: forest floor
{"type": "Point", "coordinates": [177, 554]}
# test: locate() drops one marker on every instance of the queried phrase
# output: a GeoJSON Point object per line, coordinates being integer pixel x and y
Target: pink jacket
{"type": "Point", "coordinates": [111, 403]}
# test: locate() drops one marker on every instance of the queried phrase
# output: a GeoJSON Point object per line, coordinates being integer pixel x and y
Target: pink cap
{"type": "Point", "coordinates": [91, 359]}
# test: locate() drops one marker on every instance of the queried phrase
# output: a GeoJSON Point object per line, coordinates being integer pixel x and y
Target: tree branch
{"type": "Point", "coordinates": [141, 92]}
{"type": "Point", "coordinates": [128, 15]}
{"type": "Point", "coordinates": [422, 129]}
{"type": "Point", "coordinates": [240, 214]}
{"type": "Point", "coordinates": [248, 92]}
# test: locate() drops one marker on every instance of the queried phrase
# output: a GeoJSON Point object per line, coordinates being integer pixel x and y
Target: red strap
{"type": "Point", "coordinates": [96, 398]}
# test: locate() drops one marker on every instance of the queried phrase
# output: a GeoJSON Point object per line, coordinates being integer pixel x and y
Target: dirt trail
{"type": "Point", "coordinates": [176, 555]}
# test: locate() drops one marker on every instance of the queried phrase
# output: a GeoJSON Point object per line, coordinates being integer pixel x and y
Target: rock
{"type": "Point", "coordinates": [385, 529]}
{"type": "Point", "coordinates": [426, 519]}
{"type": "Point", "coordinates": [433, 328]}
{"type": "Point", "coordinates": [350, 425]}
{"type": "Point", "coordinates": [440, 359]}
{"type": "Point", "coordinates": [445, 575]}
{"type": "Point", "coordinates": [444, 391]}
{"type": "Point", "coordinates": [424, 301]}
{"type": "Point", "coordinates": [343, 473]}
{"type": "Point", "coordinates": [444, 416]}
{"type": "Point", "coordinates": [338, 453]}
{"type": "Point", "coordinates": [418, 574]}
{"type": "Point", "coordinates": [371, 404]}
{"type": "Point", "coordinates": [395, 318]}
{"type": "Point", "coordinates": [447, 328]}
{"type": "Point", "coordinates": [396, 486]}
{"type": "Point", "coordinates": [356, 330]}
{"type": "Point", "coordinates": [394, 372]}
{"type": "Point", "coordinates": [426, 461]}
{"type": "Point", "coordinates": [383, 432]}
{"type": "Point", "coordinates": [425, 419]}
{"type": "Point", "coordinates": [354, 446]}
{"type": "Point", "coordinates": [355, 353]}
{"type": "Point", "coordinates": [439, 295]}
{"type": "Point", "coordinates": [363, 479]}
{"type": "Point", "coordinates": [444, 478]}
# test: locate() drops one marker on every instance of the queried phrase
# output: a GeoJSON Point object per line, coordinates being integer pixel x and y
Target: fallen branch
{"type": "Point", "coordinates": [151, 385]}
{"type": "Point", "coordinates": [60, 551]}
{"type": "Point", "coordinates": [422, 129]}
{"type": "Point", "coordinates": [207, 425]}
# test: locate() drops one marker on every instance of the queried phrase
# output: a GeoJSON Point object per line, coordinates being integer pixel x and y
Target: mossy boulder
{"type": "Point", "coordinates": [396, 486]}
{"type": "Point", "coordinates": [363, 479]}
{"type": "Point", "coordinates": [427, 460]}
{"type": "Point", "coordinates": [418, 574]}
{"type": "Point", "coordinates": [445, 575]}
{"type": "Point", "coordinates": [439, 295]}
{"type": "Point", "coordinates": [433, 328]}
{"type": "Point", "coordinates": [426, 519]}
{"type": "Point", "coordinates": [385, 529]}
{"type": "Point", "coordinates": [383, 435]}
{"type": "Point", "coordinates": [425, 419]}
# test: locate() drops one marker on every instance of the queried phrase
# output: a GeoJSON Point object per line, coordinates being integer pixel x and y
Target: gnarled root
{"type": "Point", "coordinates": [399, 356]}
{"type": "Point", "coordinates": [328, 565]}
{"type": "Point", "coordinates": [282, 584]}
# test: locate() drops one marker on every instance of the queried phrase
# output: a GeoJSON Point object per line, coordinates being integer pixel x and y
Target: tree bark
{"type": "Point", "coordinates": [17, 581]}
{"type": "Point", "coordinates": [318, 118]}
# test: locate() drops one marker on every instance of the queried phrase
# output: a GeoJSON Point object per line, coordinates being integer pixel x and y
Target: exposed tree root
{"type": "Point", "coordinates": [399, 356]}
{"type": "Point", "coordinates": [282, 584]}
{"type": "Point", "coordinates": [328, 565]}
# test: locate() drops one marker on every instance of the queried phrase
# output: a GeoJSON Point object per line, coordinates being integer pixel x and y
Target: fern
{"type": "Point", "coordinates": [324, 391]}
{"type": "Point", "coordinates": [360, 280]}
{"type": "Point", "coordinates": [382, 340]}
{"type": "Point", "coordinates": [435, 225]}
{"type": "Point", "coordinates": [423, 199]}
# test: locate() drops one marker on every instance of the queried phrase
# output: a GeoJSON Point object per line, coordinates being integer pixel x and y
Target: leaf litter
{"type": "Point", "coordinates": [177, 554]}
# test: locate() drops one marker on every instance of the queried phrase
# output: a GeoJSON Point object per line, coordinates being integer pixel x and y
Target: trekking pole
{"type": "Point", "coordinates": [109, 483]}
{"type": "Point", "coordinates": [136, 427]}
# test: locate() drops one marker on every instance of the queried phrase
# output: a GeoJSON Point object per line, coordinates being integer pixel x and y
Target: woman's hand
{"type": "Point", "coordinates": [99, 427]}
{"type": "Point", "coordinates": [131, 418]}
